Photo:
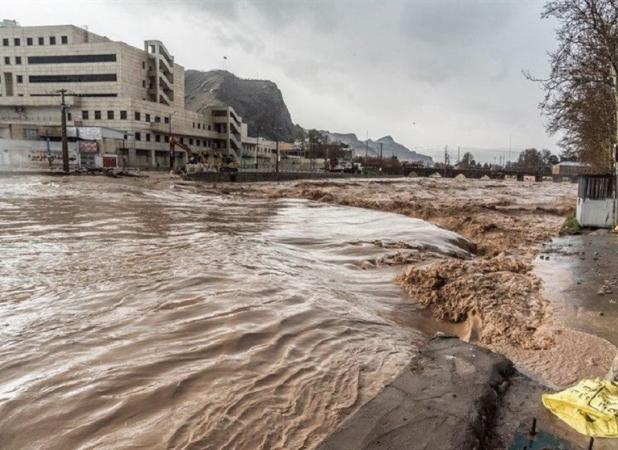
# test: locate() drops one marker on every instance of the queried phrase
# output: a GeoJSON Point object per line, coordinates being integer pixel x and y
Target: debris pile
{"type": "Point", "coordinates": [499, 293]}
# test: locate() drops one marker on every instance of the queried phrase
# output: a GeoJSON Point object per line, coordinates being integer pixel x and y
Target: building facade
{"type": "Point", "coordinates": [114, 85]}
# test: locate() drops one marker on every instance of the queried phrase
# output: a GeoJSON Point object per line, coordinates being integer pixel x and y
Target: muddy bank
{"type": "Point", "coordinates": [455, 395]}
{"type": "Point", "coordinates": [495, 297]}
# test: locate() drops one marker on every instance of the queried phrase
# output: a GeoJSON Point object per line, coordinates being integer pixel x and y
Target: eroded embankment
{"type": "Point", "coordinates": [494, 295]}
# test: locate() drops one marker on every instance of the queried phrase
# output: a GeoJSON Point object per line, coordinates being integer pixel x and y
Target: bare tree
{"type": "Point", "coordinates": [579, 99]}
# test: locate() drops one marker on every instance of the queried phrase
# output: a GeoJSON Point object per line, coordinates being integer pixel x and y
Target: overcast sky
{"type": "Point", "coordinates": [430, 73]}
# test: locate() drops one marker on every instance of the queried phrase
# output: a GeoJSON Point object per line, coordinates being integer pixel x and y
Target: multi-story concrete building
{"type": "Point", "coordinates": [114, 85]}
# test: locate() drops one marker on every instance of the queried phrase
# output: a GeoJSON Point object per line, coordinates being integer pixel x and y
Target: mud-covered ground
{"type": "Point", "coordinates": [494, 296]}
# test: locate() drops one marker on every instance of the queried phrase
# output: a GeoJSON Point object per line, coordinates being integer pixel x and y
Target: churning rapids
{"type": "Point", "coordinates": [136, 314]}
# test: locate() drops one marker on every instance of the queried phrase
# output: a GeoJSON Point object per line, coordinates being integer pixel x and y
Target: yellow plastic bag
{"type": "Point", "coordinates": [590, 407]}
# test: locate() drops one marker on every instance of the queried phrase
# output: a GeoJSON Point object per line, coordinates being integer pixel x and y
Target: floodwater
{"type": "Point", "coordinates": [580, 275]}
{"type": "Point", "coordinates": [137, 315]}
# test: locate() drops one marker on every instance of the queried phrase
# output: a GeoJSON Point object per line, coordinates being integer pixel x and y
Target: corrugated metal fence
{"type": "Point", "coordinates": [596, 187]}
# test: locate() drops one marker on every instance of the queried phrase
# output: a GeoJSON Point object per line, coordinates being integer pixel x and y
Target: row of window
{"type": "Point", "coordinates": [7, 60]}
{"type": "Point", "coordinates": [200, 126]}
{"type": "Point", "coordinates": [158, 138]}
{"type": "Point", "coordinates": [111, 115]}
{"type": "Point", "coordinates": [30, 41]}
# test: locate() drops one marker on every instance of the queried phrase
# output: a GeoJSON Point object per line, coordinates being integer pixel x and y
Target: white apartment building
{"type": "Point", "coordinates": [114, 85]}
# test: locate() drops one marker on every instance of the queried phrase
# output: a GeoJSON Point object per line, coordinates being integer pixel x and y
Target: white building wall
{"type": "Point", "coordinates": [595, 213]}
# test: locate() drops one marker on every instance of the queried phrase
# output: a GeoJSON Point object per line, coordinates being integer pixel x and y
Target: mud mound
{"type": "Point", "coordinates": [499, 294]}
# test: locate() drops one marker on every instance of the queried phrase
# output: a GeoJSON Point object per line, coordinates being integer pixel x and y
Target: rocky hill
{"type": "Point", "coordinates": [259, 102]}
{"type": "Point", "coordinates": [389, 147]}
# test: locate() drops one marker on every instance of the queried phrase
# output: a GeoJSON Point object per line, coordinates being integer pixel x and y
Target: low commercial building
{"type": "Point", "coordinates": [112, 85]}
{"type": "Point", "coordinates": [571, 168]}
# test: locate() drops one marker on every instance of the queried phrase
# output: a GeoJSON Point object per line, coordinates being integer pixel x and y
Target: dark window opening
{"type": "Point", "coordinates": [157, 138]}
{"type": "Point", "coordinates": [147, 118]}
{"type": "Point", "coordinates": [70, 59]}
{"type": "Point", "coordinates": [52, 40]}
{"type": "Point", "coordinates": [41, 41]}
{"type": "Point", "coordinates": [28, 41]}
{"type": "Point", "coordinates": [20, 79]}
{"type": "Point", "coordinates": [147, 137]}
{"type": "Point", "coordinates": [138, 136]}
{"type": "Point", "coordinates": [69, 116]}
{"type": "Point", "coordinates": [110, 115]}
{"type": "Point", "coordinates": [64, 39]}
{"type": "Point", "coordinates": [77, 95]}
{"type": "Point", "coordinates": [5, 42]}
{"type": "Point", "coordinates": [123, 115]}
{"type": "Point", "coordinates": [85, 115]}
{"type": "Point", "coordinates": [18, 60]}
{"type": "Point", "coordinates": [97, 115]}
{"type": "Point", "coordinates": [81, 78]}
{"type": "Point", "coordinates": [138, 115]}
{"type": "Point", "coordinates": [166, 119]}
{"type": "Point", "coordinates": [7, 60]}
{"type": "Point", "coordinates": [17, 42]}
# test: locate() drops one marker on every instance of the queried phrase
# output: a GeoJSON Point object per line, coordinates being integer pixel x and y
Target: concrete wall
{"type": "Point", "coordinates": [595, 213]}
{"type": "Point", "coordinates": [32, 155]}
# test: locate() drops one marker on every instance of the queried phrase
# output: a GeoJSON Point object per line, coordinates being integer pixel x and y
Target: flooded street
{"type": "Point", "coordinates": [136, 315]}
{"type": "Point", "coordinates": [581, 281]}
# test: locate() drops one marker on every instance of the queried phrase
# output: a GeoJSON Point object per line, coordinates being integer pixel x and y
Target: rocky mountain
{"type": "Point", "coordinates": [389, 147]}
{"type": "Point", "coordinates": [259, 102]}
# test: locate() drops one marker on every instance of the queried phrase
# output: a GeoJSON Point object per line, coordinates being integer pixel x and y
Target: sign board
{"type": "Point", "coordinates": [88, 147]}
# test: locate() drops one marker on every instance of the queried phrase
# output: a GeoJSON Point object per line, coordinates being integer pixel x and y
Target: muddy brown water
{"type": "Point", "coordinates": [135, 315]}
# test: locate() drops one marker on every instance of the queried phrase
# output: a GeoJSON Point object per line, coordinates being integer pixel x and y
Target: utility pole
{"type": "Point", "coordinates": [65, 144]}
{"type": "Point", "coordinates": [257, 147]}
{"type": "Point", "coordinates": [446, 159]}
{"type": "Point", "coordinates": [277, 161]}
{"type": "Point", "coordinates": [171, 142]}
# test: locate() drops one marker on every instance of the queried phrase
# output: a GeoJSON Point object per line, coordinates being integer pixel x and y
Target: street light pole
{"type": "Point", "coordinates": [63, 131]}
